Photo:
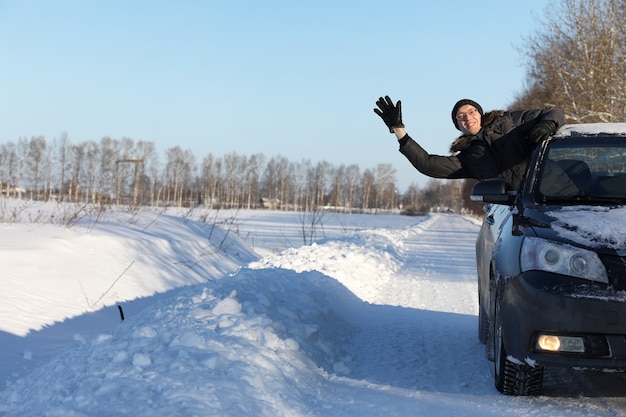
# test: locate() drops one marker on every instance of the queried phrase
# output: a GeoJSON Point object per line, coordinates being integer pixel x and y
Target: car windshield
{"type": "Point", "coordinates": [583, 170]}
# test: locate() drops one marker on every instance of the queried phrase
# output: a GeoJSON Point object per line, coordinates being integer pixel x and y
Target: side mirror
{"type": "Point", "coordinates": [494, 191]}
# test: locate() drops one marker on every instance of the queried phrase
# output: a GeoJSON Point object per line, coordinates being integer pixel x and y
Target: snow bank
{"type": "Point", "coordinates": [209, 351]}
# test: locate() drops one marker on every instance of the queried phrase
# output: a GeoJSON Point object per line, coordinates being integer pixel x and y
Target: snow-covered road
{"type": "Point", "coordinates": [369, 321]}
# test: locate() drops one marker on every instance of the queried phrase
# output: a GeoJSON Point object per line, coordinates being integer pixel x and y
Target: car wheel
{"type": "Point", "coordinates": [513, 377]}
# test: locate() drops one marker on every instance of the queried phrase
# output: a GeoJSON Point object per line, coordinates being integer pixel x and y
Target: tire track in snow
{"type": "Point", "coordinates": [439, 267]}
{"type": "Point", "coordinates": [431, 343]}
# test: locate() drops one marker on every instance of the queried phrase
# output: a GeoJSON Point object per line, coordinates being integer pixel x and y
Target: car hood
{"type": "Point", "coordinates": [601, 228]}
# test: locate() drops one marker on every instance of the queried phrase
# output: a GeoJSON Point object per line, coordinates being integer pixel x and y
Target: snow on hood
{"type": "Point", "coordinates": [592, 226]}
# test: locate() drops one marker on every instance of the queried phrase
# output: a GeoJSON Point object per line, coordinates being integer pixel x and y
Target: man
{"type": "Point", "coordinates": [494, 144]}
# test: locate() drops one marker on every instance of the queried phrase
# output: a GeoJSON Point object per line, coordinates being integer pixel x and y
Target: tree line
{"type": "Point", "coordinates": [577, 61]}
{"type": "Point", "coordinates": [122, 171]}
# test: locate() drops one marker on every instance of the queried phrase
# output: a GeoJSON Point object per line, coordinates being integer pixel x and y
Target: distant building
{"type": "Point", "coordinates": [270, 203]}
{"type": "Point", "coordinates": [9, 190]}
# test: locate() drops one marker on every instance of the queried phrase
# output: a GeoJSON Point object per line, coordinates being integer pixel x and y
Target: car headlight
{"type": "Point", "coordinates": [544, 255]}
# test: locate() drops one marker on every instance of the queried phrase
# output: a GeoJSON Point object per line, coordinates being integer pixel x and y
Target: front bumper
{"type": "Point", "coordinates": [538, 302]}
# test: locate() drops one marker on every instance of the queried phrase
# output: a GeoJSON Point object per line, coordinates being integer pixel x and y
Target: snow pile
{"type": "Point", "coordinates": [121, 257]}
{"type": "Point", "coordinates": [239, 347]}
{"type": "Point", "coordinates": [372, 254]}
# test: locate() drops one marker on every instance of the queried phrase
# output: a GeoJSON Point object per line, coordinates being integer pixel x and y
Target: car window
{"type": "Point", "coordinates": [583, 170]}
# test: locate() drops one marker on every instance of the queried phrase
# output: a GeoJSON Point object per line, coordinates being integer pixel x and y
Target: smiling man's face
{"type": "Point", "coordinates": [468, 119]}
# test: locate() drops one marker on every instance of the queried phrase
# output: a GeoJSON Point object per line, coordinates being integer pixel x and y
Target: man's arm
{"type": "Point", "coordinates": [435, 166]}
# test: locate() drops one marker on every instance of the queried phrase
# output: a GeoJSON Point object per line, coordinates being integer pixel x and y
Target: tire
{"type": "Point", "coordinates": [513, 378]}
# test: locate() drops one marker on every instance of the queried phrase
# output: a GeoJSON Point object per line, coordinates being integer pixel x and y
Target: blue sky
{"type": "Point", "coordinates": [296, 79]}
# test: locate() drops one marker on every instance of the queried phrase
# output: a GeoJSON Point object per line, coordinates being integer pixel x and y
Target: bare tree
{"type": "Point", "coordinates": [252, 181]}
{"type": "Point", "coordinates": [301, 195]}
{"type": "Point", "coordinates": [411, 200]}
{"type": "Point", "coordinates": [473, 207]}
{"type": "Point", "coordinates": [385, 185]}
{"type": "Point", "coordinates": [9, 169]}
{"type": "Point", "coordinates": [127, 168]}
{"type": "Point", "coordinates": [189, 171]}
{"type": "Point", "coordinates": [109, 152]}
{"type": "Point", "coordinates": [367, 189]}
{"type": "Point", "coordinates": [48, 171]}
{"type": "Point", "coordinates": [282, 171]}
{"type": "Point", "coordinates": [146, 152]}
{"type": "Point", "coordinates": [210, 179]}
{"type": "Point", "coordinates": [351, 184]}
{"type": "Point", "coordinates": [35, 161]}
{"type": "Point", "coordinates": [178, 167]}
{"type": "Point", "coordinates": [321, 178]}
{"type": "Point", "coordinates": [79, 156]}
{"type": "Point", "coordinates": [578, 62]}
{"type": "Point", "coordinates": [276, 179]}
{"type": "Point", "coordinates": [64, 152]}
{"type": "Point", "coordinates": [22, 156]}
{"type": "Point", "coordinates": [234, 166]}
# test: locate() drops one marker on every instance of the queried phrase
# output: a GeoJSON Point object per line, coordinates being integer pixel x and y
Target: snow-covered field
{"type": "Point", "coordinates": [230, 314]}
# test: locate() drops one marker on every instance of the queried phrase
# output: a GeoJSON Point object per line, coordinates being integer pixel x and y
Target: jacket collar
{"type": "Point", "coordinates": [463, 142]}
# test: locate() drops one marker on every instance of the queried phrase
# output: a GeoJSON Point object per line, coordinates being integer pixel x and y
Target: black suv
{"type": "Point", "coordinates": [551, 260]}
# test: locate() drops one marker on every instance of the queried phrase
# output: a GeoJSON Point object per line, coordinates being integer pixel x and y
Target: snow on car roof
{"type": "Point", "coordinates": [592, 129]}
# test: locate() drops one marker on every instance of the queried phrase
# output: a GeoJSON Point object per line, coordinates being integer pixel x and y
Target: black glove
{"type": "Point", "coordinates": [542, 131]}
{"type": "Point", "coordinates": [391, 115]}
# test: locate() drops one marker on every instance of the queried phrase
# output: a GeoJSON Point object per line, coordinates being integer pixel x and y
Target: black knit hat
{"type": "Point", "coordinates": [462, 103]}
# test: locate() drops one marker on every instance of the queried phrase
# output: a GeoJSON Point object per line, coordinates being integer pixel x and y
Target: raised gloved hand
{"type": "Point", "coordinates": [542, 131]}
{"type": "Point", "coordinates": [391, 115]}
